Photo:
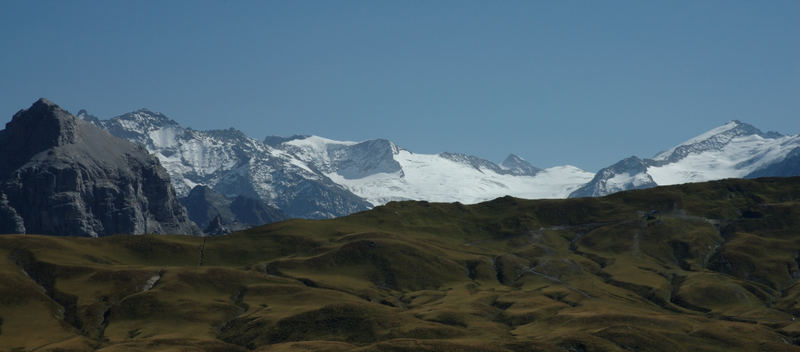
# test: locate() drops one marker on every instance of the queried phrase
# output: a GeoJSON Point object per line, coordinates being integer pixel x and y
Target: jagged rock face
{"type": "Point", "coordinates": [217, 227]}
{"type": "Point", "coordinates": [204, 204]}
{"type": "Point", "coordinates": [365, 158]}
{"type": "Point", "coordinates": [350, 160]}
{"type": "Point", "coordinates": [10, 221]}
{"type": "Point", "coordinates": [64, 176]}
{"type": "Point", "coordinates": [254, 212]}
{"type": "Point", "coordinates": [473, 161]}
{"type": "Point", "coordinates": [512, 165]}
{"type": "Point", "coordinates": [218, 214]}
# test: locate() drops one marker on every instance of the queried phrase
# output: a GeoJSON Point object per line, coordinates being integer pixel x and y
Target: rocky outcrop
{"type": "Point", "coordinates": [628, 173]}
{"type": "Point", "coordinates": [204, 204]}
{"type": "Point", "coordinates": [10, 221]}
{"type": "Point", "coordinates": [515, 165]}
{"type": "Point", "coordinates": [217, 227]}
{"type": "Point", "coordinates": [253, 212]}
{"type": "Point", "coordinates": [60, 175]}
{"type": "Point", "coordinates": [218, 214]}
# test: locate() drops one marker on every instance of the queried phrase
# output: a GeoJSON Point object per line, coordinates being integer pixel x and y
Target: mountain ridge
{"type": "Point", "coordinates": [361, 169]}
{"type": "Point", "coordinates": [735, 149]}
{"type": "Point", "coordinates": [234, 164]}
{"type": "Point", "coordinates": [377, 171]}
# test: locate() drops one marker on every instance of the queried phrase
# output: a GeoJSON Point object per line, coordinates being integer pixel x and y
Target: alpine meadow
{"type": "Point", "coordinates": [698, 267]}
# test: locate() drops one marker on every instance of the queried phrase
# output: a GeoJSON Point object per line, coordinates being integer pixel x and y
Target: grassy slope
{"type": "Point", "coordinates": [697, 267]}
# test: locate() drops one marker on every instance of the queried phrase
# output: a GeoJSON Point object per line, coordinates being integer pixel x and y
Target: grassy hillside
{"type": "Point", "coordinates": [696, 267]}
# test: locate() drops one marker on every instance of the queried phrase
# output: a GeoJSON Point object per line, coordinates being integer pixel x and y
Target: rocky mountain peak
{"type": "Point", "coordinates": [519, 166]}
{"type": "Point", "coordinates": [631, 164]}
{"type": "Point", "coordinates": [146, 119]}
{"type": "Point", "coordinates": [742, 129]}
{"type": "Point", "coordinates": [64, 176]}
{"type": "Point", "coordinates": [628, 173]}
{"type": "Point", "coordinates": [746, 129]}
{"type": "Point", "coordinates": [714, 139]}
{"type": "Point", "coordinates": [230, 134]}
{"type": "Point", "coordinates": [513, 159]}
{"type": "Point", "coordinates": [44, 124]}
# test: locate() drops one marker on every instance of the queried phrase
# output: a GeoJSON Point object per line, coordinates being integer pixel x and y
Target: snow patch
{"type": "Point", "coordinates": [151, 282]}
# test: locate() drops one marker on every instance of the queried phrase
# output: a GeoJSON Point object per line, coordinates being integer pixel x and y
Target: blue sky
{"type": "Point", "coordinates": [557, 82]}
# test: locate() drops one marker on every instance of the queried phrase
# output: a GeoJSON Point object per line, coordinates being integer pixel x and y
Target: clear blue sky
{"type": "Point", "coordinates": [557, 82]}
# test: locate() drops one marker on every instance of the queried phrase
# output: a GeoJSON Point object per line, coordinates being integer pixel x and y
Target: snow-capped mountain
{"type": "Point", "coordinates": [380, 171]}
{"type": "Point", "coordinates": [315, 177]}
{"type": "Point", "coordinates": [628, 173]}
{"type": "Point", "coordinates": [732, 150]}
{"type": "Point", "coordinates": [735, 149]}
{"type": "Point", "coordinates": [233, 164]}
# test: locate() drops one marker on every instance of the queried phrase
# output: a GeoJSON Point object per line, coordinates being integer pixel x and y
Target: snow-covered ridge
{"type": "Point", "coordinates": [715, 132]}
{"type": "Point", "coordinates": [738, 157]}
{"type": "Point", "coordinates": [715, 139]}
{"type": "Point", "coordinates": [734, 149]}
{"type": "Point", "coordinates": [279, 170]}
{"type": "Point", "coordinates": [313, 176]}
{"type": "Point", "coordinates": [441, 179]}
{"type": "Point", "coordinates": [380, 171]}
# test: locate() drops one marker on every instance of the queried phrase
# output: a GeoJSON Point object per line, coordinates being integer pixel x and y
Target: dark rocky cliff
{"type": "Point", "coordinates": [218, 214]}
{"type": "Point", "coordinates": [60, 175]}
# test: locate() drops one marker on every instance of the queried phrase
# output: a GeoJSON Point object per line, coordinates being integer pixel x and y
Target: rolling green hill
{"type": "Point", "coordinates": [696, 267]}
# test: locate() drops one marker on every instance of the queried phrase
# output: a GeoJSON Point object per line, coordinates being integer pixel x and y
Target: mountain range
{"type": "Point", "coordinates": [353, 176]}
{"type": "Point", "coordinates": [343, 177]}
{"type": "Point", "coordinates": [229, 181]}
{"type": "Point", "coordinates": [234, 165]}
